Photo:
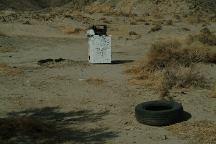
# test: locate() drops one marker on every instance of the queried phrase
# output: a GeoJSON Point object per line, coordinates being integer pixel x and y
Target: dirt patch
{"type": "Point", "coordinates": [199, 132]}
{"type": "Point", "coordinates": [212, 93]}
{"type": "Point", "coordinates": [6, 49]}
{"type": "Point", "coordinates": [10, 71]}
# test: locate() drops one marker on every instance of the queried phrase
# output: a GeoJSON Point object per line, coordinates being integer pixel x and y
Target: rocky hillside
{"type": "Point", "coordinates": [41, 4]}
{"type": "Point", "coordinates": [118, 6]}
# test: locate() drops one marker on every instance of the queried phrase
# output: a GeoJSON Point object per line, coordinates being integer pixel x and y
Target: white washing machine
{"type": "Point", "coordinates": [100, 50]}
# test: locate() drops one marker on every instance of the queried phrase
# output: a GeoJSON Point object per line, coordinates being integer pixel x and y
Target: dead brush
{"type": "Point", "coordinates": [71, 30]}
{"type": "Point", "coordinates": [95, 81]}
{"type": "Point", "coordinates": [16, 126]}
{"type": "Point", "coordinates": [199, 132]}
{"type": "Point", "coordinates": [169, 64]}
{"type": "Point", "coordinates": [205, 37]}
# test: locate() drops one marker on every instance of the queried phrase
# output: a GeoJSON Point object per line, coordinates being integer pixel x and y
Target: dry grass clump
{"type": "Point", "coordinates": [71, 30]}
{"type": "Point", "coordinates": [8, 70]}
{"type": "Point", "coordinates": [164, 54]}
{"type": "Point", "coordinates": [95, 81]}
{"type": "Point", "coordinates": [199, 132]}
{"type": "Point", "coordinates": [169, 22]}
{"type": "Point", "coordinates": [205, 36]}
{"type": "Point", "coordinates": [169, 64]}
{"type": "Point", "coordinates": [100, 8]}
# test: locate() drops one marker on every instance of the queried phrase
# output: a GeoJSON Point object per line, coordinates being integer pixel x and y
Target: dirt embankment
{"type": "Point", "coordinates": [41, 4]}
{"type": "Point", "coordinates": [118, 6]}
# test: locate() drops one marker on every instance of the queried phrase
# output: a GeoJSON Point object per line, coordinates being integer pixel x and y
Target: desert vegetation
{"type": "Point", "coordinates": [50, 93]}
{"type": "Point", "coordinates": [199, 132]}
{"type": "Point", "coordinates": [170, 64]}
{"type": "Point", "coordinates": [95, 81]}
{"type": "Point", "coordinates": [9, 70]}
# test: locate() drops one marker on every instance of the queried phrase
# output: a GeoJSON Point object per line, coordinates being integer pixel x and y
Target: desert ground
{"type": "Point", "coordinates": [70, 101]}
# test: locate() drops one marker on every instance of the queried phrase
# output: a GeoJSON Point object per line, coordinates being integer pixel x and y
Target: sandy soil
{"type": "Point", "coordinates": [97, 98]}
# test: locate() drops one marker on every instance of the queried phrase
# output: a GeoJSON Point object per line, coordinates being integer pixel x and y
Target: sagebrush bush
{"type": "Point", "coordinates": [205, 37]}
{"type": "Point", "coordinates": [169, 64]}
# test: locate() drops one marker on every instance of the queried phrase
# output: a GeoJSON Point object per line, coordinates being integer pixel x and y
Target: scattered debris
{"type": "Point", "coordinates": [48, 61]}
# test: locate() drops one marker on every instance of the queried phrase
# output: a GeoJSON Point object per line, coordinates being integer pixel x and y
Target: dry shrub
{"type": "Point", "coordinates": [169, 64]}
{"type": "Point", "coordinates": [8, 70]}
{"type": "Point", "coordinates": [169, 22]}
{"type": "Point", "coordinates": [95, 81]}
{"type": "Point", "coordinates": [100, 8]}
{"type": "Point", "coordinates": [12, 127]}
{"type": "Point", "coordinates": [183, 77]}
{"type": "Point", "coordinates": [205, 37]}
{"type": "Point", "coordinates": [132, 33]}
{"type": "Point", "coordinates": [155, 28]}
{"type": "Point", "coordinates": [199, 132]}
{"type": "Point", "coordinates": [168, 53]}
{"type": "Point", "coordinates": [71, 30]}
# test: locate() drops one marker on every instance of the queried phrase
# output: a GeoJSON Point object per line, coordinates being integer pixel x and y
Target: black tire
{"type": "Point", "coordinates": [159, 113]}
